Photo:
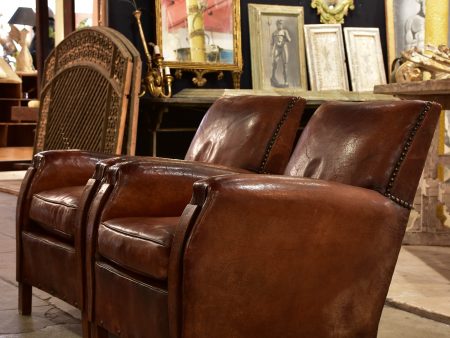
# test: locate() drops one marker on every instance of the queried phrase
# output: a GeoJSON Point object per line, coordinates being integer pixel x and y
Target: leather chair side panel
{"type": "Point", "coordinates": [45, 261]}
{"type": "Point", "coordinates": [129, 306]}
{"type": "Point", "coordinates": [272, 257]}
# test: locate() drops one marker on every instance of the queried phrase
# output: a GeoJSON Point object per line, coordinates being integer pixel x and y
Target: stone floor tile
{"type": "Point", "coordinates": [422, 281]}
{"type": "Point", "coordinates": [401, 324]}
{"type": "Point", "coordinates": [9, 296]}
{"type": "Point", "coordinates": [11, 322]}
{"type": "Point", "coordinates": [55, 331]}
{"type": "Point", "coordinates": [8, 266]}
{"type": "Point", "coordinates": [7, 244]}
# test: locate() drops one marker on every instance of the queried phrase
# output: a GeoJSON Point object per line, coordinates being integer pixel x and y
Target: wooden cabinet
{"type": "Point", "coordinates": [17, 121]}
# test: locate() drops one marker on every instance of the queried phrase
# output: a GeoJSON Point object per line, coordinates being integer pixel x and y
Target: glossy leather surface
{"type": "Point", "coordinates": [287, 257]}
{"type": "Point", "coordinates": [55, 210]}
{"type": "Point", "coordinates": [134, 307]}
{"type": "Point", "coordinates": [361, 144]}
{"type": "Point", "coordinates": [140, 244]}
{"type": "Point", "coordinates": [263, 256]}
{"type": "Point", "coordinates": [249, 132]}
{"type": "Point", "coordinates": [45, 261]}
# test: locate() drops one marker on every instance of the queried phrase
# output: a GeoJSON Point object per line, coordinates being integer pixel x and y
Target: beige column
{"type": "Point", "coordinates": [59, 21]}
{"type": "Point", "coordinates": [436, 33]}
{"type": "Point", "coordinates": [196, 30]}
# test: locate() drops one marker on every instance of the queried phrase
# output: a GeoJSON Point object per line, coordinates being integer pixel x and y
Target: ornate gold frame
{"type": "Point", "coordinates": [334, 12]}
{"type": "Point", "coordinates": [201, 68]}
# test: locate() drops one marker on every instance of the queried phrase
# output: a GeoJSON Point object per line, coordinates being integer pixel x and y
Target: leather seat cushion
{"type": "Point", "coordinates": [140, 244]}
{"type": "Point", "coordinates": [56, 210]}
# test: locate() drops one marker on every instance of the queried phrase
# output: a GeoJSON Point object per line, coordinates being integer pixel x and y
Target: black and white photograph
{"type": "Point", "coordinates": [277, 47]}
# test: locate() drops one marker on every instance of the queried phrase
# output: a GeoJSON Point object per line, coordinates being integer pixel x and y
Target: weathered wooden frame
{"type": "Point", "coordinates": [365, 58]}
{"type": "Point", "coordinates": [259, 73]}
{"type": "Point", "coordinates": [325, 54]}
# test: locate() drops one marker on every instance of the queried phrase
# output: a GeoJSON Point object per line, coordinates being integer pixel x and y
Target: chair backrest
{"type": "Point", "coordinates": [256, 133]}
{"type": "Point", "coordinates": [87, 81]}
{"type": "Point", "coordinates": [378, 145]}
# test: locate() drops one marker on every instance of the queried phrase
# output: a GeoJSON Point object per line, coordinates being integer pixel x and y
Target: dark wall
{"type": "Point", "coordinates": [367, 13]}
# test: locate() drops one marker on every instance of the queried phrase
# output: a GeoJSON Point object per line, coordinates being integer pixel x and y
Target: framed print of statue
{"type": "Point", "coordinates": [326, 57]}
{"type": "Point", "coordinates": [277, 47]}
{"type": "Point", "coordinates": [365, 58]}
{"type": "Point", "coordinates": [405, 26]}
{"type": "Point", "coordinates": [200, 36]}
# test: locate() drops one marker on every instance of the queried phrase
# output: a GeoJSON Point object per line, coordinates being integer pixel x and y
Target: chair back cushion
{"type": "Point", "coordinates": [256, 133]}
{"type": "Point", "coordinates": [377, 145]}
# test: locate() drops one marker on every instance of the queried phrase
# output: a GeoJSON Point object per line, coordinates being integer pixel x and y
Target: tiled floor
{"type": "Point", "coordinates": [421, 283]}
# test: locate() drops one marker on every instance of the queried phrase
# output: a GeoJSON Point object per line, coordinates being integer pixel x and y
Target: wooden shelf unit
{"type": "Point", "coordinates": [17, 121]}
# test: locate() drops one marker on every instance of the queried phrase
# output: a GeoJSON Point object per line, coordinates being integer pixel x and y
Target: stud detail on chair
{"type": "Point", "coordinates": [286, 113]}
{"type": "Point", "coordinates": [402, 157]}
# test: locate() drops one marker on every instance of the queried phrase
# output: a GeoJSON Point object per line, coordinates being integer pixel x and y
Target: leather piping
{"type": "Point", "coordinates": [114, 229]}
{"type": "Point", "coordinates": [402, 157]}
{"type": "Point", "coordinates": [275, 134]}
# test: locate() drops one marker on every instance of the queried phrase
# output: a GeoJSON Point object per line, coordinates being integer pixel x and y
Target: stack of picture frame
{"type": "Point", "coordinates": [282, 47]}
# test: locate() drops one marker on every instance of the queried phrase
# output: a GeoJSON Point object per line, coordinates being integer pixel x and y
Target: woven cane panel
{"type": "Point", "coordinates": [84, 112]}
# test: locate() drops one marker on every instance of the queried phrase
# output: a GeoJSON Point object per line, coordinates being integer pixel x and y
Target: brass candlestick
{"type": "Point", "coordinates": [157, 80]}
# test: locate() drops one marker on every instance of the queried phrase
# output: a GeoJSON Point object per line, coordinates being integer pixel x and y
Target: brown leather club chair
{"type": "Point", "coordinates": [307, 254]}
{"type": "Point", "coordinates": [240, 134]}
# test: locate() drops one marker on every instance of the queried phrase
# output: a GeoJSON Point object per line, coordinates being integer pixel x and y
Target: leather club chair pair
{"type": "Point", "coordinates": [306, 254]}
{"type": "Point", "coordinates": [240, 134]}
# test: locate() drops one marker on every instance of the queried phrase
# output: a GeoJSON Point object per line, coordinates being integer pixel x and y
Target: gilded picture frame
{"type": "Point", "coordinates": [327, 68]}
{"type": "Point", "coordinates": [206, 39]}
{"type": "Point", "coordinates": [277, 47]}
{"type": "Point", "coordinates": [401, 15]}
{"type": "Point", "coordinates": [365, 58]}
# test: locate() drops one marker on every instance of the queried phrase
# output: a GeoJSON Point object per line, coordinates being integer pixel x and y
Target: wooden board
{"type": "Point", "coordinates": [432, 90]}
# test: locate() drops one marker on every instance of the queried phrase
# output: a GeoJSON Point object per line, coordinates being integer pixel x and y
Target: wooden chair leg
{"type": "Point", "coordinates": [25, 299]}
{"type": "Point", "coordinates": [98, 331]}
{"type": "Point", "coordinates": [86, 326]}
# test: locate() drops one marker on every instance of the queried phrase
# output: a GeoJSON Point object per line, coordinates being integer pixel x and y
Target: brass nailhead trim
{"type": "Point", "coordinates": [406, 147]}
{"type": "Point", "coordinates": [272, 141]}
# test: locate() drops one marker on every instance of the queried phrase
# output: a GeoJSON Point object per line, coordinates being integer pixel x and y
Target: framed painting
{"type": "Point", "coordinates": [277, 47]}
{"type": "Point", "coordinates": [201, 36]}
{"type": "Point", "coordinates": [326, 57]}
{"type": "Point", "coordinates": [405, 26]}
{"type": "Point", "coordinates": [365, 58]}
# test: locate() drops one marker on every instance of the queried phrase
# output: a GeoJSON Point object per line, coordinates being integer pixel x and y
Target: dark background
{"type": "Point", "coordinates": [367, 13]}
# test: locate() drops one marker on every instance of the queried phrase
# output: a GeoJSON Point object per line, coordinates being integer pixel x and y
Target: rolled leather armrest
{"type": "Point", "coordinates": [155, 186]}
{"type": "Point", "coordinates": [63, 168]}
{"type": "Point", "coordinates": [275, 246]}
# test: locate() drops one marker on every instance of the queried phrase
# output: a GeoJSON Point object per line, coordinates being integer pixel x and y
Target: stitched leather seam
{"type": "Point", "coordinates": [276, 133]}
{"type": "Point", "coordinates": [56, 231]}
{"type": "Point", "coordinates": [116, 272]}
{"type": "Point", "coordinates": [29, 234]}
{"type": "Point", "coordinates": [406, 147]}
{"type": "Point", "coordinates": [134, 235]}
{"type": "Point", "coordinates": [73, 206]}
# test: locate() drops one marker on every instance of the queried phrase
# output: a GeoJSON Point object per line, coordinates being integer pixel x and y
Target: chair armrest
{"type": "Point", "coordinates": [155, 186]}
{"type": "Point", "coordinates": [62, 168]}
{"type": "Point", "coordinates": [318, 254]}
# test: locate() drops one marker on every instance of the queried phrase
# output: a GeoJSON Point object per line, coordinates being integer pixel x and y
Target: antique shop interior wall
{"type": "Point", "coordinates": [367, 13]}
